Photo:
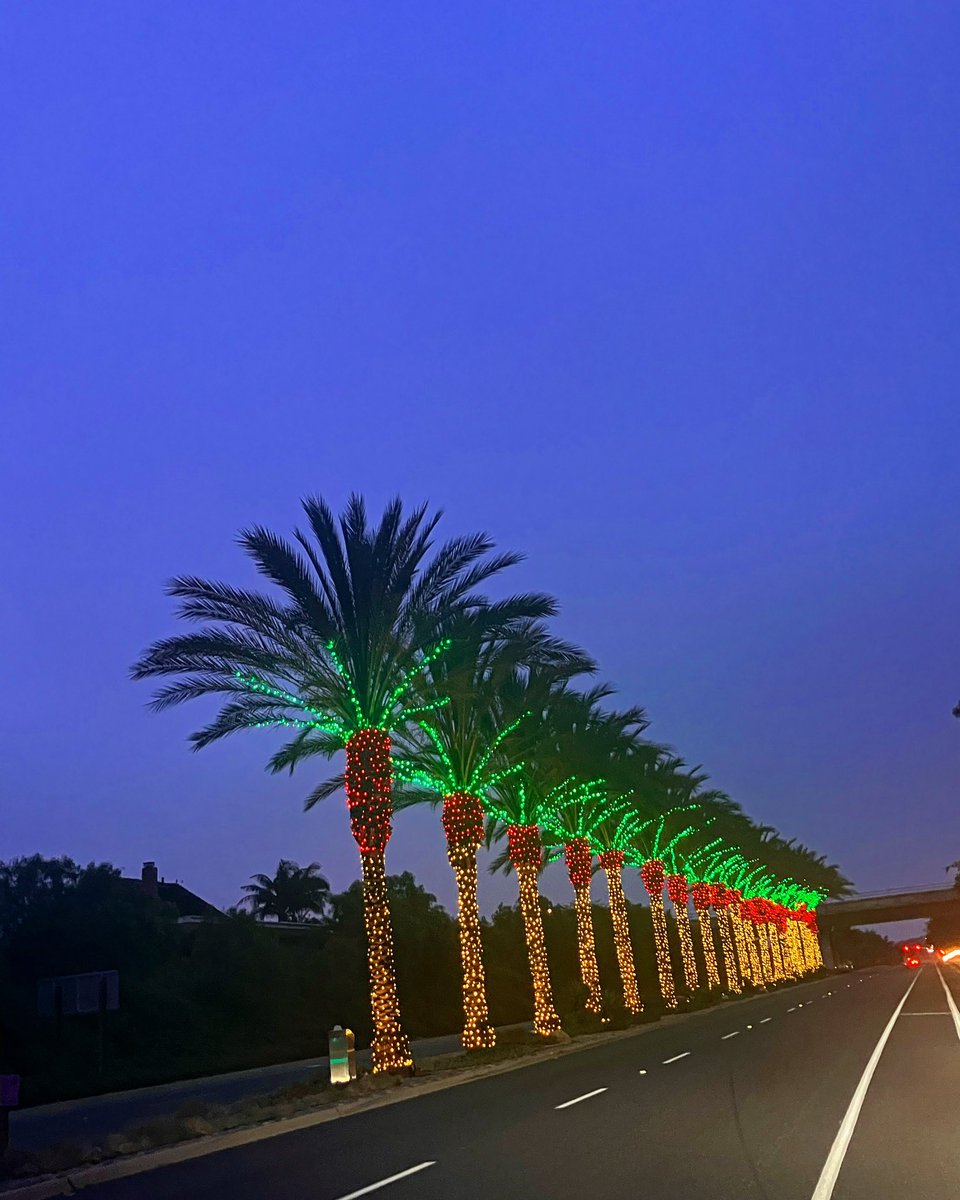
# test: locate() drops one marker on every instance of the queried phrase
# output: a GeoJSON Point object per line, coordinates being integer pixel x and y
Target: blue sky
{"type": "Point", "coordinates": [665, 296]}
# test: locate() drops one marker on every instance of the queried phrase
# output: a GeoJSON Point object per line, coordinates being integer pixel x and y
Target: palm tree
{"type": "Point", "coordinates": [572, 818]}
{"type": "Point", "coordinates": [517, 807]}
{"type": "Point", "coordinates": [679, 893]}
{"type": "Point", "coordinates": [292, 893]}
{"type": "Point", "coordinates": [467, 746]}
{"type": "Point", "coordinates": [652, 841]}
{"type": "Point", "coordinates": [611, 841]}
{"type": "Point", "coordinates": [569, 738]}
{"type": "Point", "coordinates": [653, 874]}
{"type": "Point", "coordinates": [338, 657]}
{"type": "Point", "coordinates": [700, 893]}
{"type": "Point", "coordinates": [586, 747]}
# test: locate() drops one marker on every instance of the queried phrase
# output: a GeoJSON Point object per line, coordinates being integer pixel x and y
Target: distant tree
{"type": "Point", "coordinates": [58, 918]}
{"type": "Point", "coordinates": [292, 893]}
{"type": "Point", "coordinates": [864, 948]}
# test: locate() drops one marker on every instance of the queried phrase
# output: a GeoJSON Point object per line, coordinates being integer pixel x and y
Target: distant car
{"type": "Point", "coordinates": [914, 953]}
{"type": "Point", "coordinates": [844, 965]}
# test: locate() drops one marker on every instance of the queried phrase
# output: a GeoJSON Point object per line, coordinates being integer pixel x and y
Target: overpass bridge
{"type": "Point", "coordinates": [876, 908]}
{"type": "Point", "coordinates": [901, 904]}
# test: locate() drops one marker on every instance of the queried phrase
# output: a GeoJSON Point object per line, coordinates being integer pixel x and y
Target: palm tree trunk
{"type": "Point", "coordinates": [612, 863]}
{"type": "Point", "coordinates": [368, 780]}
{"type": "Point", "coordinates": [579, 860]}
{"type": "Point", "coordinates": [701, 903]}
{"type": "Point", "coordinates": [806, 946]}
{"type": "Point", "coordinates": [798, 954]}
{"type": "Point", "coordinates": [391, 1047]}
{"type": "Point", "coordinates": [524, 844]}
{"type": "Point", "coordinates": [750, 937]}
{"type": "Point", "coordinates": [589, 971]}
{"type": "Point", "coordinates": [740, 941]}
{"type": "Point", "coordinates": [786, 951]}
{"type": "Point", "coordinates": [766, 964]}
{"type": "Point", "coordinates": [463, 825]}
{"type": "Point", "coordinates": [652, 872]}
{"type": "Point", "coordinates": [728, 928]}
{"type": "Point", "coordinates": [679, 897]}
{"type": "Point", "coordinates": [721, 906]}
{"type": "Point", "coordinates": [777, 961]}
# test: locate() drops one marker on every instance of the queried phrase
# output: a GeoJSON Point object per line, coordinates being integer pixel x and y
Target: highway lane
{"type": "Point", "coordinates": [744, 1101]}
{"type": "Point", "coordinates": [906, 1140]}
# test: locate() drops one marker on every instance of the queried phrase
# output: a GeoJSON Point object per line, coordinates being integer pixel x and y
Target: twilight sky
{"type": "Point", "coordinates": [665, 295]}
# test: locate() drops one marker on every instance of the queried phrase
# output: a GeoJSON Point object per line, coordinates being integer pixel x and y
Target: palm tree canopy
{"type": "Point", "coordinates": [292, 893]}
{"type": "Point", "coordinates": [467, 745]}
{"type": "Point", "coordinates": [360, 612]}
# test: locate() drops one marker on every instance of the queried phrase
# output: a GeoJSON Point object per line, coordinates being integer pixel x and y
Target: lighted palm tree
{"type": "Point", "coordinates": [611, 840]}
{"type": "Point", "coordinates": [292, 893]}
{"type": "Point", "coordinates": [466, 748]}
{"type": "Point", "coordinates": [517, 805]}
{"type": "Point", "coordinates": [339, 657]}
{"type": "Point", "coordinates": [584, 751]}
{"type": "Point", "coordinates": [679, 892]}
{"type": "Point", "coordinates": [652, 841]}
{"type": "Point", "coordinates": [572, 818]}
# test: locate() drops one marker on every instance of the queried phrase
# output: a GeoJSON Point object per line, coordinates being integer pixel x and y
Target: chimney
{"type": "Point", "coordinates": [148, 879]}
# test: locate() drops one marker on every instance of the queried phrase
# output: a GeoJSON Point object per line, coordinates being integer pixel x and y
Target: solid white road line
{"type": "Point", "coordinates": [730, 1035]}
{"type": "Point", "coordinates": [585, 1096]}
{"type": "Point", "coordinates": [676, 1058]}
{"type": "Point", "coordinates": [951, 1003]}
{"type": "Point", "coordinates": [372, 1187]}
{"type": "Point", "coordinates": [838, 1151]}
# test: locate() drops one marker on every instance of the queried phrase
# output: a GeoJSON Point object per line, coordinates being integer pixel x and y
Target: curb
{"type": "Point", "coordinates": [150, 1160]}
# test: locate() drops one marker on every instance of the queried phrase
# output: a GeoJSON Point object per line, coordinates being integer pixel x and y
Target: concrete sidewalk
{"type": "Point", "coordinates": [98, 1116]}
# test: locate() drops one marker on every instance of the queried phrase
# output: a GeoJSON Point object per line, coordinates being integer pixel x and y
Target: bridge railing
{"type": "Point", "coordinates": [899, 891]}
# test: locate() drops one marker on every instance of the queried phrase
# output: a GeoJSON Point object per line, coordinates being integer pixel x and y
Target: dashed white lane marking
{"type": "Point", "coordinates": [765, 1020]}
{"type": "Point", "coordinates": [951, 1003]}
{"type": "Point", "coordinates": [942, 1013]}
{"type": "Point", "coordinates": [794, 1009]}
{"type": "Point", "coordinates": [372, 1187]}
{"type": "Point", "coordinates": [730, 1035]}
{"type": "Point", "coordinates": [676, 1058]}
{"type": "Point", "coordinates": [585, 1096]}
{"type": "Point", "coordinates": [831, 1168]}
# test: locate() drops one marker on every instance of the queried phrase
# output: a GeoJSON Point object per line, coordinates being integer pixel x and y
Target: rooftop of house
{"type": "Point", "coordinates": [187, 903]}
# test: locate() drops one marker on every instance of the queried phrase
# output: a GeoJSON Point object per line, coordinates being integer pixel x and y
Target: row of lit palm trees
{"type": "Point", "coordinates": [374, 642]}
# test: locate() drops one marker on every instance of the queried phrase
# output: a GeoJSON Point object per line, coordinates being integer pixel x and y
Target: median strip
{"type": "Point", "coordinates": [576, 1100]}
{"type": "Point", "coordinates": [373, 1187]}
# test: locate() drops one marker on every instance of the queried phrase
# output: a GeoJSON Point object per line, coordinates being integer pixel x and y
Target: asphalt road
{"type": "Point", "coordinates": [755, 1101]}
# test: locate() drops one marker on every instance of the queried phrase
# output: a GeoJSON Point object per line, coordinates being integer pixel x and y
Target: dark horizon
{"type": "Point", "coordinates": [666, 300]}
